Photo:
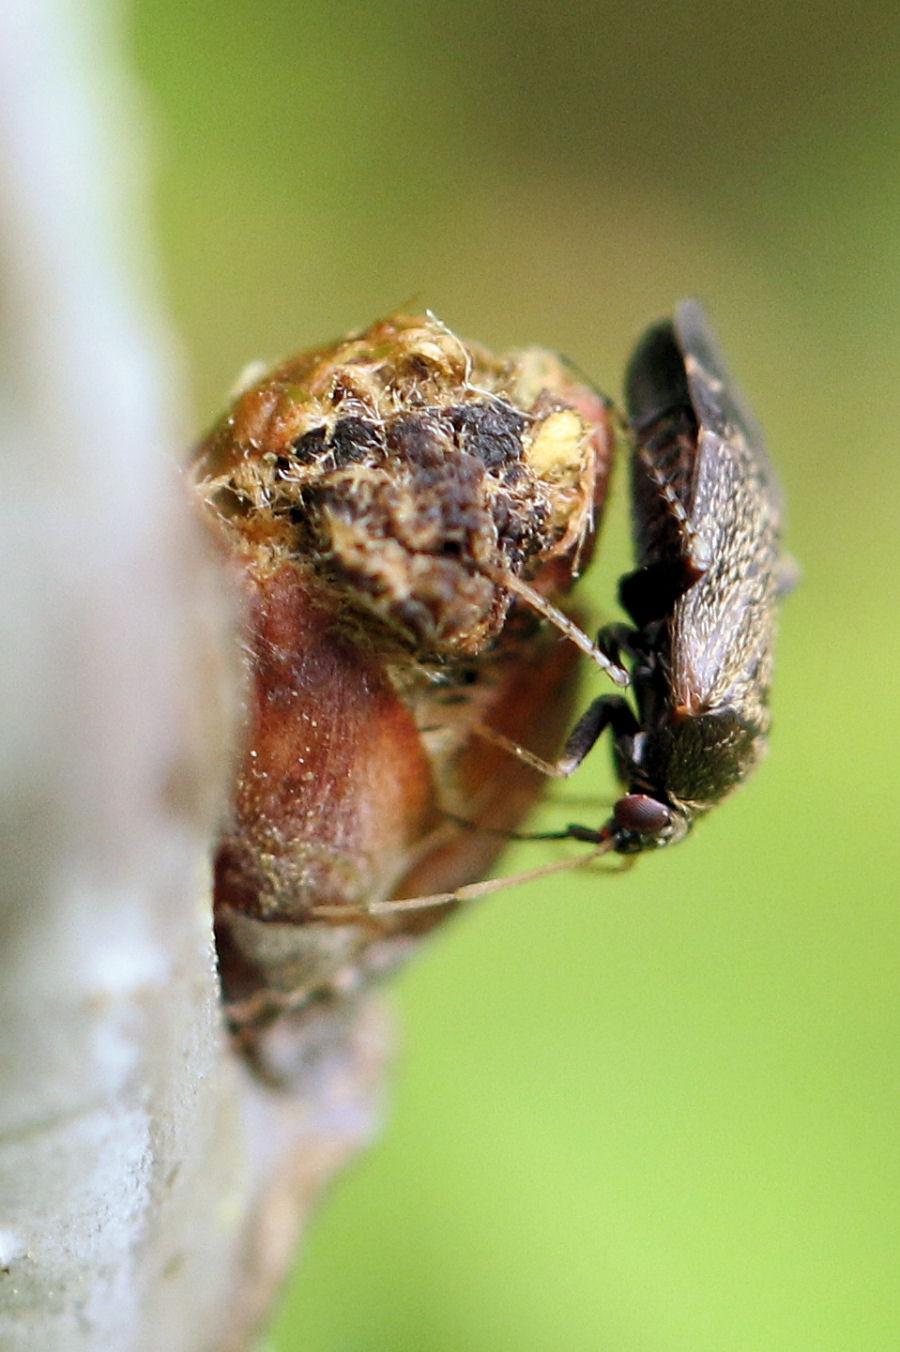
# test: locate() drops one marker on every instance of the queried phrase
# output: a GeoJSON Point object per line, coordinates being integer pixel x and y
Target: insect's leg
{"type": "Point", "coordinates": [470, 892]}
{"type": "Point", "coordinates": [617, 640]}
{"type": "Point", "coordinates": [607, 711]}
{"type": "Point", "coordinates": [567, 627]}
{"type": "Point", "coordinates": [610, 711]}
{"type": "Point", "coordinates": [520, 752]}
{"type": "Point", "coordinates": [649, 593]}
{"type": "Point", "coordinates": [690, 541]}
{"type": "Point", "coordinates": [620, 641]}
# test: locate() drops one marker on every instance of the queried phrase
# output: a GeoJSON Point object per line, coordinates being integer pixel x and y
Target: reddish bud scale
{"type": "Point", "coordinates": [373, 499]}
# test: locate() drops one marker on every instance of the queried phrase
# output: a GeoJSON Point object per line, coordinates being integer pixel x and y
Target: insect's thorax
{"type": "Point", "coordinates": [689, 756]}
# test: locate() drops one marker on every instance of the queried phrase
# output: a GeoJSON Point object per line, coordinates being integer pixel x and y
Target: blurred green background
{"type": "Point", "coordinates": [656, 1113]}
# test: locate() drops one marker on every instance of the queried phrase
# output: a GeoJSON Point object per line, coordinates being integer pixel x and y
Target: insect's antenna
{"type": "Point", "coordinates": [588, 835]}
{"type": "Point", "coordinates": [468, 893]}
{"type": "Point", "coordinates": [562, 622]}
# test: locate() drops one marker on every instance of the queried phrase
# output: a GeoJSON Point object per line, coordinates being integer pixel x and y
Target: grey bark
{"type": "Point", "coordinates": [150, 1189]}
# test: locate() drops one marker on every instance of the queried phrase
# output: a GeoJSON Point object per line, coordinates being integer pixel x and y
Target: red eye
{"type": "Point", "coordinates": [640, 813]}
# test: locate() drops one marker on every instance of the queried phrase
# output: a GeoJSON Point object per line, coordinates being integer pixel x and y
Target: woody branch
{"type": "Point", "coordinates": [137, 1207]}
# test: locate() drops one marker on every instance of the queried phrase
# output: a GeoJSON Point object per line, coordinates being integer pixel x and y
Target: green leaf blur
{"type": "Point", "coordinates": [656, 1112]}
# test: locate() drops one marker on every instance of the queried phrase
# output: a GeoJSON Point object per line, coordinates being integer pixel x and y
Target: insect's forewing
{"type": "Point", "coordinates": [723, 627]}
{"type": "Point", "coordinates": [718, 399]}
{"type": "Point", "coordinates": [662, 475]}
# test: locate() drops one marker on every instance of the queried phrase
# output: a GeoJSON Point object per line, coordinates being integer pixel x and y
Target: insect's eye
{"type": "Point", "coordinates": [642, 814]}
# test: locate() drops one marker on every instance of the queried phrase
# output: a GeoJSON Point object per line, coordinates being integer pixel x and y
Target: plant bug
{"type": "Point", "coordinates": [703, 596]}
{"type": "Point", "coordinates": [706, 512]}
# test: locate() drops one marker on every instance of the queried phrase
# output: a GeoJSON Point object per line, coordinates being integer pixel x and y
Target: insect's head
{"type": "Point", "coordinates": [642, 822]}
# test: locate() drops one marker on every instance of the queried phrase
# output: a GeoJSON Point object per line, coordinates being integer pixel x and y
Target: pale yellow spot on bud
{"type": "Point", "coordinates": [556, 451]}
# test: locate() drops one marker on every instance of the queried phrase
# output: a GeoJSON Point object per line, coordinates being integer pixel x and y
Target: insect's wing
{"type": "Point", "coordinates": [663, 472]}
{"type": "Point", "coordinates": [718, 400]}
{"type": "Point", "coordinates": [723, 627]}
{"type": "Point", "coordinates": [655, 382]}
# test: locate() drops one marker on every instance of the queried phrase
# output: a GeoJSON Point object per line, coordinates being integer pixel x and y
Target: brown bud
{"type": "Point", "coordinates": [399, 508]}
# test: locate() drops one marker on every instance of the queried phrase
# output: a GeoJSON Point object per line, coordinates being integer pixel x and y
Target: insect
{"type": "Point", "coordinates": [706, 511]}
{"type": "Point", "coordinates": [702, 598]}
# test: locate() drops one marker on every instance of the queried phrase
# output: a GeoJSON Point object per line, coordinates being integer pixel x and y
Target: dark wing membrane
{"type": "Point", "coordinates": [717, 398]}
{"type": "Point", "coordinates": [662, 474]}
{"type": "Point", "coordinates": [655, 384]}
